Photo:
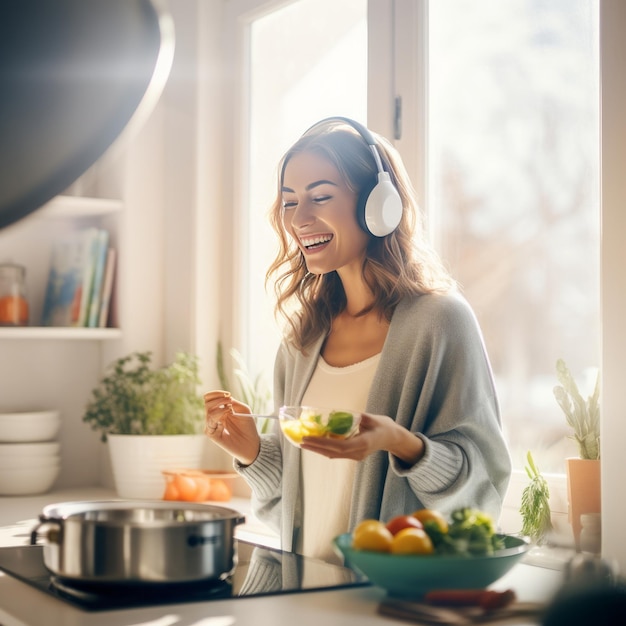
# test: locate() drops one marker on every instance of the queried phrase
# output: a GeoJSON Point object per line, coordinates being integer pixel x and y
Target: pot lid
{"type": "Point", "coordinates": [72, 75]}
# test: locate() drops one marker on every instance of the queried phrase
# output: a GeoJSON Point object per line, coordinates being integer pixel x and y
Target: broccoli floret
{"type": "Point", "coordinates": [471, 532]}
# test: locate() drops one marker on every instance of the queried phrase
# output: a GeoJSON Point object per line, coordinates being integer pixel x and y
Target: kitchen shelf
{"type": "Point", "coordinates": [61, 210]}
{"type": "Point", "coordinates": [47, 332]}
{"type": "Point", "coordinates": [76, 206]}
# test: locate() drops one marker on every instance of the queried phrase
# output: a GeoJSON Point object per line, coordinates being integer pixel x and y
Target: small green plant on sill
{"type": "Point", "coordinates": [134, 398]}
{"type": "Point", "coordinates": [254, 393]}
{"type": "Point", "coordinates": [535, 505]}
{"type": "Point", "coordinates": [582, 415]}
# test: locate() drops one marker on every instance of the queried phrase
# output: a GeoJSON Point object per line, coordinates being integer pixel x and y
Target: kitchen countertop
{"type": "Point", "coordinates": [21, 605]}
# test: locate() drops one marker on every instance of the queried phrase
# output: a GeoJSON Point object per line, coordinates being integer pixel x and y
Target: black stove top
{"type": "Point", "coordinates": [259, 571]}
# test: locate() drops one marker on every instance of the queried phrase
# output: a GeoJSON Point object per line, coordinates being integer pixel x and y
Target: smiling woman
{"type": "Point", "coordinates": [499, 221]}
{"type": "Point", "coordinates": [374, 326]}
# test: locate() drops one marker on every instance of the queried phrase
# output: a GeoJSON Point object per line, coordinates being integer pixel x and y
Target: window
{"type": "Point", "coordinates": [303, 66]}
{"type": "Point", "coordinates": [513, 171]}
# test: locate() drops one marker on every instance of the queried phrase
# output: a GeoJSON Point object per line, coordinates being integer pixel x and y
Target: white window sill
{"type": "Point", "coordinates": [550, 557]}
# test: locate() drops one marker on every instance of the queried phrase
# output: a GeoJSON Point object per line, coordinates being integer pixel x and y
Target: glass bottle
{"type": "Point", "coordinates": [13, 302]}
{"type": "Point", "coordinates": [591, 533]}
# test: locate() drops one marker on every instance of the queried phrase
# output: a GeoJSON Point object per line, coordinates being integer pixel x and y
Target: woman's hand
{"type": "Point", "coordinates": [237, 435]}
{"type": "Point", "coordinates": [376, 432]}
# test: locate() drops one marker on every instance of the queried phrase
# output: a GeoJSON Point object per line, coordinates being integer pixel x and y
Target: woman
{"type": "Point", "coordinates": [379, 327]}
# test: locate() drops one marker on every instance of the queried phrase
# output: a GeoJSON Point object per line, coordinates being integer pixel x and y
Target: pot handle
{"type": "Point", "coordinates": [52, 535]}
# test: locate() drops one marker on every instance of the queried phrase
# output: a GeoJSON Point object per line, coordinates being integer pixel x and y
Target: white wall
{"type": "Point", "coordinates": [196, 210]}
{"type": "Point", "coordinates": [192, 107]}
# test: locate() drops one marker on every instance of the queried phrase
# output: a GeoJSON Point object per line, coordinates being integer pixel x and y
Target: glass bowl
{"type": "Point", "coordinates": [297, 422]}
{"type": "Point", "coordinates": [198, 485]}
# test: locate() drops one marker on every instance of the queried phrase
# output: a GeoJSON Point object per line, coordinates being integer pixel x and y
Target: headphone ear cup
{"type": "Point", "coordinates": [382, 210]}
{"type": "Point", "coordinates": [361, 207]}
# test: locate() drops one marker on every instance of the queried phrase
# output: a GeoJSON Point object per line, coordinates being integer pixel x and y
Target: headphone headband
{"type": "Point", "coordinates": [362, 130]}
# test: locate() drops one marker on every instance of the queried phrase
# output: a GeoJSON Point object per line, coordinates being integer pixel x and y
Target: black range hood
{"type": "Point", "coordinates": [73, 74]}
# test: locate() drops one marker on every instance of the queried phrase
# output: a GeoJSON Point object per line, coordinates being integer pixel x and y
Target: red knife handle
{"type": "Point", "coordinates": [484, 598]}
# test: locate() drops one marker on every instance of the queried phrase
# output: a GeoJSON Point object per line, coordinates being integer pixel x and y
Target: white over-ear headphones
{"type": "Point", "coordinates": [379, 208]}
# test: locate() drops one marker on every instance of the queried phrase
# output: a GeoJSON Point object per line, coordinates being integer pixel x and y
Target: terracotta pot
{"type": "Point", "coordinates": [583, 491]}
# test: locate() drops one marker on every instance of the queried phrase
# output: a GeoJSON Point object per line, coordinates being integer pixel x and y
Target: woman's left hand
{"type": "Point", "coordinates": [376, 432]}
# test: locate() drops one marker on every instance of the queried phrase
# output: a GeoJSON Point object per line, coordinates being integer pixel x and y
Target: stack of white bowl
{"type": "Point", "coordinates": [30, 458]}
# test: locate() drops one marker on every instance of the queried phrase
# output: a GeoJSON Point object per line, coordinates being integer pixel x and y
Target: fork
{"type": "Point", "coordinates": [256, 415]}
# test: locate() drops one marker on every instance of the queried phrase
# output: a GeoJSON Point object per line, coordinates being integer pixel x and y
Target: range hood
{"type": "Point", "coordinates": [73, 76]}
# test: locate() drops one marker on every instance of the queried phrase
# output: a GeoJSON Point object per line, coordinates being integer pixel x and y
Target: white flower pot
{"type": "Point", "coordinates": [137, 461]}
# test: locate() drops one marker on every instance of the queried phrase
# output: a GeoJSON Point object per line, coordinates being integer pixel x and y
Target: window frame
{"type": "Point", "coordinates": [392, 28]}
{"type": "Point", "coordinates": [238, 17]}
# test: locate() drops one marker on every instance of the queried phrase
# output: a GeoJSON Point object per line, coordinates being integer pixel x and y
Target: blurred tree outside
{"type": "Point", "coordinates": [513, 191]}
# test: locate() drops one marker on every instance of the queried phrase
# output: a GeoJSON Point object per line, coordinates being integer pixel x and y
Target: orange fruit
{"type": "Point", "coordinates": [373, 537]}
{"type": "Point", "coordinates": [365, 524]}
{"type": "Point", "coordinates": [171, 492]}
{"type": "Point", "coordinates": [186, 486]}
{"type": "Point", "coordinates": [220, 491]}
{"type": "Point", "coordinates": [430, 515]}
{"type": "Point", "coordinates": [203, 487]}
{"type": "Point", "coordinates": [411, 541]}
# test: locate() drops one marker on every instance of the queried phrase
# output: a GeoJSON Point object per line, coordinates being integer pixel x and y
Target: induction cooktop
{"type": "Point", "coordinates": [259, 571]}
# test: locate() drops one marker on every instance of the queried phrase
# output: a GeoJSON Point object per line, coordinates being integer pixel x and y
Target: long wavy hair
{"type": "Point", "coordinates": [400, 264]}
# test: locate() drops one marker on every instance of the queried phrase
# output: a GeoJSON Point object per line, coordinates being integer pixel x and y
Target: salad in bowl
{"type": "Point", "coordinates": [297, 422]}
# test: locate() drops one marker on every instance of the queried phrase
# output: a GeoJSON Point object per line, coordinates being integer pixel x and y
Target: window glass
{"type": "Point", "coordinates": [308, 61]}
{"type": "Point", "coordinates": [513, 170]}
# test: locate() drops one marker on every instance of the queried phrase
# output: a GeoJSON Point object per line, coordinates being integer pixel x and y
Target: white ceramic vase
{"type": "Point", "coordinates": [137, 461]}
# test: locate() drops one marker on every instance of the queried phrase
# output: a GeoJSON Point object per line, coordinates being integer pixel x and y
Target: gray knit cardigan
{"type": "Point", "coordinates": [433, 378]}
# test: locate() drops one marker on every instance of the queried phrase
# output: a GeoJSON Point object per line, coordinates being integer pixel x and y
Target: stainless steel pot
{"type": "Point", "coordinates": [138, 541]}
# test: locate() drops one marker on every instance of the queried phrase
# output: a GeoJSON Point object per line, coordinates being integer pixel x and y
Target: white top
{"type": "Point", "coordinates": [327, 483]}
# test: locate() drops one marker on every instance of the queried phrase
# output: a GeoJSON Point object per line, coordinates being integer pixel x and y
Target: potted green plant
{"type": "Point", "coordinates": [253, 392]}
{"type": "Point", "coordinates": [583, 472]}
{"type": "Point", "coordinates": [152, 419]}
{"type": "Point", "coordinates": [583, 415]}
{"type": "Point", "coordinates": [535, 505]}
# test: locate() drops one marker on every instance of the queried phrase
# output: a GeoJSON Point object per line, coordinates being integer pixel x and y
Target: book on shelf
{"type": "Point", "coordinates": [64, 280]}
{"type": "Point", "coordinates": [75, 279]}
{"type": "Point", "coordinates": [107, 288]}
{"type": "Point", "coordinates": [101, 252]}
{"type": "Point", "coordinates": [90, 247]}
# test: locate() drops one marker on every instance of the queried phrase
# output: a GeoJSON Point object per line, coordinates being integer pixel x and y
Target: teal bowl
{"type": "Point", "coordinates": [415, 575]}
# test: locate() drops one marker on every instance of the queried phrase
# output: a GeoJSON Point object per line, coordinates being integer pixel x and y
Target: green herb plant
{"type": "Point", "coordinates": [134, 398]}
{"type": "Point", "coordinates": [582, 415]}
{"type": "Point", "coordinates": [535, 505]}
{"type": "Point", "coordinates": [252, 392]}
